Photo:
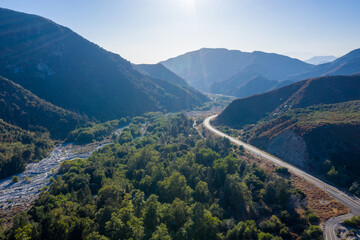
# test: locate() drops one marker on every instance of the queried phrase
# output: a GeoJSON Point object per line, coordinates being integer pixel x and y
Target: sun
{"type": "Point", "coordinates": [187, 6]}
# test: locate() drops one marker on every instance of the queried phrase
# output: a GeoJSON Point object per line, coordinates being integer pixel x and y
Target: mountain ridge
{"type": "Point", "coordinates": [67, 70]}
{"type": "Point", "coordinates": [348, 64]}
{"type": "Point", "coordinates": [322, 90]}
{"type": "Point", "coordinates": [206, 67]}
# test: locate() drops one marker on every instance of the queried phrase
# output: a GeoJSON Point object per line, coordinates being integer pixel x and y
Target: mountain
{"type": "Point", "coordinates": [348, 64]}
{"type": "Point", "coordinates": [161, 72]}
{"type": "Point", "coordinates": [28, 126]}
{"type": "Point", "coordinates": [255, 86]}
{"type": "Point", "coordinates": [69, 71]}
{"type": "Point", "coordinates": [320, 60]}
{"type": "Point", "coordinates": [158, 71]}
{"type": "Point", "coordinates": [22, 108]}
{"type": "Point", "coordinates": [313, 124]}
{"type": "Point", "coordinates": [324, 139]}
{"type": "Point", "coordinates": [323, 90]}
{"type": "Point", "coordinates": [206, 66]}
{"type": "Point", "coordinates": [245, 84]}
{"type": "Point", "coordinates": [232, 87]}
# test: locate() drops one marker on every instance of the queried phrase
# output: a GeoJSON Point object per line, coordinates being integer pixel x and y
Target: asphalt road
{"type": "Point", "coordinates": [349, 201]}
{"type": "Point", "coordinates": [330, 226]}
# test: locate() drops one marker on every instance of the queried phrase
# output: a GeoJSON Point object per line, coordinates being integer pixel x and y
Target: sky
{"type": "Point", "coordinates": [149, 31]}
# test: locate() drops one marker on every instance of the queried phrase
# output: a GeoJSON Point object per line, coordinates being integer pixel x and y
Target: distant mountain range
{"type": "Point", "coordinates": [206, 66]}
{"type": "Point", "coordinates": [320, 59]}
{"type": "Point", "coordinates": [67, 70]}
{"type": "Point", "coordinates": [242, 74]}
{"type": "Point", "coordinates": [348, 64]}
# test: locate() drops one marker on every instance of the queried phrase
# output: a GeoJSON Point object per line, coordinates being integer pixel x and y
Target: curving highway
{"type": "Point", "coordinates": [349, 201]}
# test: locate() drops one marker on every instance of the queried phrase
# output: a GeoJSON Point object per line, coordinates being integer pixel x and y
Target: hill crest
{"type": "Point", "coordinates": [322, 90]}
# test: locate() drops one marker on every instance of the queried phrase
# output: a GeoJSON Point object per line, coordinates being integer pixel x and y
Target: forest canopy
{"type": "Point", "coordinates": [168, 183]}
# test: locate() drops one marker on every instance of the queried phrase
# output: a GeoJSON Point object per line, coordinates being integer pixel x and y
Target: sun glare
{"type": "Point", "coordinates": [187, 6]}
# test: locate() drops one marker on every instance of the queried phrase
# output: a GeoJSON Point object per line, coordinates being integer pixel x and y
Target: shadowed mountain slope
{"type": "Point", "coordinates": [161, 72]}
{"type": "Point", "coordinates": [323, 90]}
{"type": "Point", "coordinates": [22, 108]}
{"type": "Point", "coordinates": [67, 70]}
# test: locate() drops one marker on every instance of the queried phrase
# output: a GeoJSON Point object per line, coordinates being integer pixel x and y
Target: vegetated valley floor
{"type": "Point", "coordinates": [316, 200]}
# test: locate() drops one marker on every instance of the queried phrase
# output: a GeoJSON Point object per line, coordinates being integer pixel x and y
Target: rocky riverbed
{"type": "Point", "coordinates": [19, 196]}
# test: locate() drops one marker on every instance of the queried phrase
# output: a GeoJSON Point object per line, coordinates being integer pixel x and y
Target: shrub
{"type": "Point", "coordinates": [27, 179]}
{"type": "Point", "coordinates": [15, 179]}
{"type": "Point", "coordinates": [313, 219]}
{"type": "Point", "coordinates": [353, 222]}
{"type": "Point", "coordinates": [283, 171]}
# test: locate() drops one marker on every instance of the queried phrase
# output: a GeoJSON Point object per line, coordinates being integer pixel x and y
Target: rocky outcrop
{"type": "Point", "coordinates": [290, 147]}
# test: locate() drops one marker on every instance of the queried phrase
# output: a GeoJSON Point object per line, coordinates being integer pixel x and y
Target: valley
{"type": "Point", "coordinates": [172, 166]}
{"type": "Point", "coordinates": [193, 143]}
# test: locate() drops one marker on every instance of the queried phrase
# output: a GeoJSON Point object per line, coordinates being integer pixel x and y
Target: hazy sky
{"type": "Point", "coordinates": [148, 31]}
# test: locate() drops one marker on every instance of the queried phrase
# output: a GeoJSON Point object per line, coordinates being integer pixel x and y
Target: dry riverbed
{"type": "Point", "coordinates": [19, 196]}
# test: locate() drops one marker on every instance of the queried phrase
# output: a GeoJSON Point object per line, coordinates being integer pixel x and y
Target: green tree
{"type": "Point", "coordinates": [110, 195]}
{"type": "Point", "coordinates": [237, 196]}
{"type": "Point", "coordinates": [285, 232]}
{"type": "Point", "coordinates": [243, 230]}
{"type": "Point", "coordinates": [202, 193]}
{"type": "Point", "coordinates": [125, 137]}
{"type": "Point", "coordinates": [124, 224]}
{"type": "Point", "coordinates": [96, 236]}
{"type": "Point", "coordinates": [266, 236]}
{"type": "Point", "coordinates": [333, 174]}
{"type": "Point", "coordinates": [173, 187]}
{"type": "Point", "coordinates": [313, 233]}
{"type": "Point", "coordinates": [151, 215]}
{"type": "Point", "coordinates": [58, 228]}
{"type": "Point", "coordinates": [273, 225]}
{"type": "Point", "coordinates": [327, 166]}
{"type": "Point", "coordinates": [313, 218]}
{"type": "Point", "coordinates": [161, 233]}
{"type": "Point", "coordinates": [205, 225]}
{"type": "Point", "coordinates": [177, 214]}
{"type": "Point", "coordinates": [24, 233]}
